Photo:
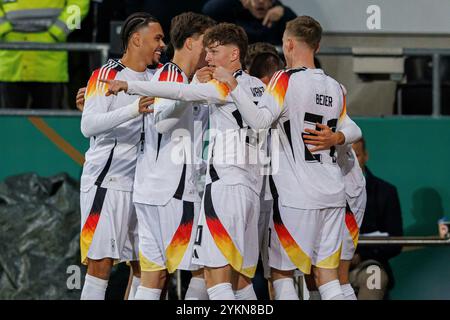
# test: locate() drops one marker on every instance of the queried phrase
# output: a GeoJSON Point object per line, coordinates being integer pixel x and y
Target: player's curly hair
{"type": "Point", "coordinates": [187, 25]}
{"type": "Point", "coordinates": [132, 24]}
{"type": "Point", "coordinates": [306, 29]}
{"type": "Point", "coordinates": [227, 33]}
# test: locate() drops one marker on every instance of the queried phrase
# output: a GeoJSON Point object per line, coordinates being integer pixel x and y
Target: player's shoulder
{"type": "Point", "coordinates": [255, 86]}
{"type": "Point", "coordinates": [284, 75]}
{"type": "Point", "coordinates": [109, 70]}
{"type": "Point", "coordinates": [170, 72]}
{"type": "Point", "coordinates": [338, 86]}
{"type": "Point", "coordinates": [245, 78]}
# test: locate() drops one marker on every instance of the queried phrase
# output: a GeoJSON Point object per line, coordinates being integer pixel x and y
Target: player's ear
{"type": "Point", "coordinates": [235, 54]}
{"type": "Point", "coordinates": [317, 49]}
{"type": "Point", "coordinates": [188, 43]}
{"type": "Point", "coordinates": [136, 39]}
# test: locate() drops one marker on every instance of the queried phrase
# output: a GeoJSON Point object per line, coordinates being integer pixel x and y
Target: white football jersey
{"type": "Point", "coordinates": [294, 100]}
{"type": "Point", "coordinates": [235, 150]}
{"type": "Point", "coordinates": [111, 158]}
{"type": "Point", "coordinates": [166, 164]}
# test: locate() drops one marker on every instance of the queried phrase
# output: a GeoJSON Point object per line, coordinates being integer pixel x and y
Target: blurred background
{"type": "Point", "coordinates": [392, 56]}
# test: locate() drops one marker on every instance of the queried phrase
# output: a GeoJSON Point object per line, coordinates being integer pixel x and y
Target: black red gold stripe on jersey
{"type": "Point", "coordinates": [108, 71]}
{"type": "Point", "coordinates": [89, 227]}
{"type": "Point", "coordinates": [298, 257]}
{"type": "Point", "coordinates": [158, 147]}
{"type": "Point", "coordinates": [219, 234]}
{"type": "Point", "coordinates": [352, 225]}
{"type": "Point", "coordinates": [181, 239]}
{"type": "Point", "coordinates": [279, 83]}
{"type": "Point", "coordinates": [180, 190]}
{"type": "Point", "coordinates": [287, 131]}
{"type": "Point", "coordinates": [171, 73]}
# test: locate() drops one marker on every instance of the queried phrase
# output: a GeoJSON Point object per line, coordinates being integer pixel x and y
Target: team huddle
{"type": "Point", "coordinates": [198, 165]}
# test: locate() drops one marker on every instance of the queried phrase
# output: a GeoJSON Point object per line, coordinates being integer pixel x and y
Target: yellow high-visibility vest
{"type": "Point", "coordinates": [44, 21]}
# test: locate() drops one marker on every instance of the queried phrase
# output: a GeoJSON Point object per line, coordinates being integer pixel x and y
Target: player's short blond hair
{"type": "Point", "coordinates": [306, 29]}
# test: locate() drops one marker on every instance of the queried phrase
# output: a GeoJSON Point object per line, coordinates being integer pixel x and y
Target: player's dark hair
{"type": "Point", "coordinates": [134, 23]}
{"type": "Point", "coordinates": [227, 33]}
{"type": "Point", "coordinates": [186, 25]}
{"type": "Point", "coordinates": [257, 48]}
{"type": "Point", "coordinates": [265, 65]}
{"type": "Point", "coordinates": [306, 29]}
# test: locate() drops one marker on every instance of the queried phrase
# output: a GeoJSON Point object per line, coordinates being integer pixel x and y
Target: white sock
{"type": "Point", "coordinates": [135, 282]}
{"type": "Point", "coordinates": [331, 291]}
{"type": "Point", "coordinates": [144, 293]}
{"type": "Point", "coordinates": [221, 291]}
{"type": "Point", "coordinates": [197, 290]}
{"type": "Point", "coordinates": [349, 293]}
{"type": "Point", "coordinates": [248, 293]}
{"type": "Point", "coordinates": [94, 288]}
{"type": "Point", "coordinates": [284, 289]}
{"type": "Point", "coordinates": [314, 295]}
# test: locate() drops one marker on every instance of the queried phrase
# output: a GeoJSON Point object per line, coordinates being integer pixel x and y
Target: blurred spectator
{"type": "Point", "coordinates": [39, 75]}
{"type": "Point", "coordinates": [382, 215]}
{"type": "Point", "coordinates": [263, 20]}
{"type": "Point", "coordinates": [164, 10]}
{"type": "Point", "coordinates": [444, 230]}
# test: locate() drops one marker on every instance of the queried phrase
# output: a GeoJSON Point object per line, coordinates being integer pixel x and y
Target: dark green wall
{"type": "Point", "coordinates": [25, 149]}
{"type": "Point", "coordinates": [414, 155]}
{"type": "Point", "coordinates": [411, 153]}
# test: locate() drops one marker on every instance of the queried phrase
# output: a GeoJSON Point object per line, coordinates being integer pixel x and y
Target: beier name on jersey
{"type": "Point", "coordinates": [324, 100]}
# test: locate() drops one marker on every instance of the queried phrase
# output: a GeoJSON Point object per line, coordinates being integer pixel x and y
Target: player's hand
{"type": "Point", "coordinates": [205, 74]}
{"type": "Point", "coordinates": [79, 101]}
{"type": "Point", "coordinates": [355, 260]}
{"type": "Point", "coordinates": [273, 15]}
{"type": "Point", "coordinates": [223, 75]}
{"type": "Point", "coordinates": [115, 86]}
{"type": "Point", "coordinates": [323, 139]}
{"type": "Point", "coordinates": [144, 104]}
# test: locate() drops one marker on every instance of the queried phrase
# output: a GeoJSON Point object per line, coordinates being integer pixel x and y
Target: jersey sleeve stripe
{"type": "Point", "coordinates": [279, 88]}
{"type": "Point", "coordinates": [170, 73]}
{"type": "Point", "coordinates": [344, 107]}
{"type": "Point", "coordinates": [221, 88]}
{"type": "Point", "coordinates": [95, 87]}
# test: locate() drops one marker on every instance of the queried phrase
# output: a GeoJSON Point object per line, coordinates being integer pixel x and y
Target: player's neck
{"type": "Point", "coordinates": [184, 61]}
{"type": "Point", "coordinates": [233, 66]}
{"type": "Point", "coordinates": [301, 59]}
{"type": "Point", "coordinates": [132, 61]}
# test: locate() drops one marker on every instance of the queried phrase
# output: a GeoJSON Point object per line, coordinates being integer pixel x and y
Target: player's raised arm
{"type": "Point", "coordinates": [347, 126]}
{"type": "Point", "coordinates": [350, 129]}
{"type": "Point", "coordinates": [211, 92]}
{"type": "Point", "coordinates": [96, 118]}
{"type": "Point", "coordinates": [257, 117]}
